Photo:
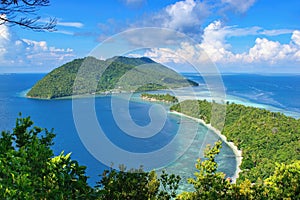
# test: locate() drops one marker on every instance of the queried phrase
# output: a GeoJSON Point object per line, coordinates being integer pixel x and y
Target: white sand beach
{"type": "Point", "coordinates": [237, 152]}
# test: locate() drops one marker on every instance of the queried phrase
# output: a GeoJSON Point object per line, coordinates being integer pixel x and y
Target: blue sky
{"type": "Point", "coordinates": [237, 35]}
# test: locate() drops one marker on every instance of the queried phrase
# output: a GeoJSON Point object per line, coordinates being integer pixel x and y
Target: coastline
{"type": "Point", "coordinates": [155, 100]}
{"type": "Point", "coordinates": [236, 151]}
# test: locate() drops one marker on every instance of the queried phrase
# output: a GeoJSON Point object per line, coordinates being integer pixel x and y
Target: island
{"type": "Point", "coordinates": [118, 74]}
{"type": "Point", "coordinates": [166, 98]}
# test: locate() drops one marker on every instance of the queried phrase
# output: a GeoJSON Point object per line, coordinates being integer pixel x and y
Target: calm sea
{"type": "Point", "coordinates": [273, 92]}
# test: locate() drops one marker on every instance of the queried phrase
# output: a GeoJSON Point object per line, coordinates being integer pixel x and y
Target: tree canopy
{"type": "Point", "coordinates": [264, 137]}
{"type": "Point", "coordinates": [29, 170]}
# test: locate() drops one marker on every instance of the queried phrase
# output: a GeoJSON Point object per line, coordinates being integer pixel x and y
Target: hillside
{"type": "Point", "coordinates": [116, 74]}
{"type": "Point", "coordinates": [265, 137]}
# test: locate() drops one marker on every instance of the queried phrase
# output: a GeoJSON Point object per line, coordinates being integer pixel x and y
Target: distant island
{"type": "Point", "coordinates": [167, 98]}
{"type": "Point", "coordinates": [114, 75]}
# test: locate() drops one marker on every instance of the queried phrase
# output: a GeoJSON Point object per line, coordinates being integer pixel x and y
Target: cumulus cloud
{"type": "Point", "coordinates": [296, 37]}
{"type": "Point", "coordinates": [275, 52]}
{"type": "Point", "coordinates": [185, 15]}
{"type": "Point", "coordinates": [264, 50]}
{"type": "Point", "coordinates": [188, 16]}
{"type": "Point", "coordinates": [215, 44]}
{"type": "Point", "coordinates": [24, 52]}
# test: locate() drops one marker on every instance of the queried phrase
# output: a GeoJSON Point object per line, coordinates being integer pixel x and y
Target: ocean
{"type": "Point", "coordinates": [279, 93]}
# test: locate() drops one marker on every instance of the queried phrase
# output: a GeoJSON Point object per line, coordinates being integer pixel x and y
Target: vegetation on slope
{"type": "Point", "coordinates": [210, 184]}
{"type": "Point", "coordinates": [265, 137]}
{"type": "Point", "coordinates": [28, 170]}
{"type": "Point", "coordinates": [113, 75]}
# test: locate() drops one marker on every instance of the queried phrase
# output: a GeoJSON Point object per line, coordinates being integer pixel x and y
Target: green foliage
{"type": "Point", "coordinates": [208, 183]}
{"type": "Point", "coordinates": [160, 97]}
{"type": "Point", "coordinates": [128, 185]}
{"type": "Point", "coordinates": [168, 186]}
{"type": "Point", "coordinates": [263, 136]}
{"type": "Point", "coordinates": [28, 171]}
{"type": "Point", "coordinates": [113, 75]}
{"type": "Point", "coordinates": [136, 184]}
{"type": "Point", "coordinates": [285, 181]}
{"type": "Point", "coordinates": [197, 109]}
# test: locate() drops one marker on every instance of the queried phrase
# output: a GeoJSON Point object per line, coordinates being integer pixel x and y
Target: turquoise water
{"type": "Point", "coordinates": [277, 93]}
{"type": "Point", "coordinates": [57, 114]}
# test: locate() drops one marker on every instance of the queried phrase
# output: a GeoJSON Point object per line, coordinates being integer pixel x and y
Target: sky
{"type": "Point", "coordinates": [251, 36]}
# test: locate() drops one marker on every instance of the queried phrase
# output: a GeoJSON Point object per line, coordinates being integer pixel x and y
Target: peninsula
{"type": "Point", "coordinates": [265, 138]}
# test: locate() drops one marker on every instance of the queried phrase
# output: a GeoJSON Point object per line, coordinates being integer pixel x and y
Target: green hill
{"type": "Point", "coordinates": [265, 137]}
{"type": "Point", "coordinates": [112, 75]}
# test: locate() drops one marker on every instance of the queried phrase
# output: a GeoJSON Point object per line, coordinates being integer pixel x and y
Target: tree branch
{"type": "Point", "coordinates": [23, 13]}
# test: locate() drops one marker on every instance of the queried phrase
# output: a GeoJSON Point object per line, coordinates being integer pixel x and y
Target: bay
{"type": "Point", "coordinates": [265, 91]}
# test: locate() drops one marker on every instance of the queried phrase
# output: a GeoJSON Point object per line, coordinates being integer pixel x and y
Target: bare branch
{"type": "Point", "coordinates": [23, 13]}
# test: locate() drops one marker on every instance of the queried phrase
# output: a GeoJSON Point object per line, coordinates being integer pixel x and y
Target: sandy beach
{"type": "Point", "coordinates": [237, 152]}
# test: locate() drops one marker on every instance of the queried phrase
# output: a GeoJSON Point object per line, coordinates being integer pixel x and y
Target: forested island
{"type": "Point", "coordinates": [118, 74]}
{"type": "Point", "coordinates": [167, 98]}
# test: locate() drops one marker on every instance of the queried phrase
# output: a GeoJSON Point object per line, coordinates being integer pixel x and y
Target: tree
{"type": "Point", "coordinates": [284, 183]}
{"type": "Point", "coordinates": [28, 169]}
{"type": "Point", "coordinates": [24, 13]}
{"type": "Point", "coordinates": [136, 184]}
{"type": "Point", "coordinates": [208, 183]}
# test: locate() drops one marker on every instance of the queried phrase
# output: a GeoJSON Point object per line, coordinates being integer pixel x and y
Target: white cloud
{"type": "Point", "coordinates": [265, 51]}
{"type": "Point", "coordinates": [4, 39]}
{"type": "Point", "coordinates": [296, 37]}
{"type": "Point", "coordinates": [276, 32]}
{"type": "Point", "coordinates": [24, 52]}
{"type": "Point", "coordinates": [215, 44]}
{"type": "Point", "coordinates": [71, 24]}
{"type": "Point", "coordinates": [185, 15]}
{"type": "Point", "coordinates": [188, 16]}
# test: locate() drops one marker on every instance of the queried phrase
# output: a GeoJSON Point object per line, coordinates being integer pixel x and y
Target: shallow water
{"type": "Point", "coordinates": [280, 94]}
{"type": "Point", "coordinates": [57, 114]}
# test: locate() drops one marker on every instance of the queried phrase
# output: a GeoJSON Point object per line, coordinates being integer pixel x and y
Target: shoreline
{"type": "Point", "coordinates": [155, 100]}
{"type": "Point", "coordinates": [236, 151]}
